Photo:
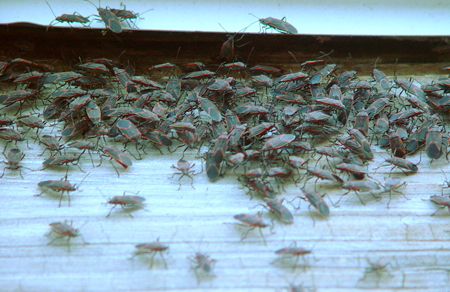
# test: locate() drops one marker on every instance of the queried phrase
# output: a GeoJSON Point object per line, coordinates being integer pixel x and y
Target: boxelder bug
{"type": "Point", "coordinates": [275, 206]}
{"type": "Point", "coordinates": [278, 24]}
{"type": "Point", "coordinates": [316, 200]}
{"type": "Point", "coordinates": [127, 15]}
{"type": "Point", "coordinates": [433, 143]}
{"type": "Point", "coordinates": [402, 164]}
{"type": "Point", "coordinates": [359, 186]}
{"type": "Point", "coordinates": [129, 201]}
{"type": "Point", "coordinates": [63, 229]}
{"type": "Point", "coordinates": [390, 185]}
{"type": "Point", "coordinates": [377, 268]}
{"type": "Point", "coordinates": [441, 201]}
{"type": "Point", "coordinates": [117, 155]}
{"type": "Point", "coordinates": [14, 158]}
{"type": "Point", "coordinates": [151, 248]}
{"type": "Point", "coordinates": [62, 159]}
{"type": "Point", "coordinates": [203, 263]}
{"type": "Point", "coordinates": [292, 251]}
{"type": "Point", "coordinates": [252, 221]}
{"type": "Point", "coordinates": [185, 168]}
{"type": "Point", "coordinates": [110, 19]}
{"type": "Point", "coordinates": [59, 186]}
{"type": "Point", "coordinates": [69, 18]}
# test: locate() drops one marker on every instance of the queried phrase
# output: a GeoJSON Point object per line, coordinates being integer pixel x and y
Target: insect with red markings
{"type": "Point", "coordinates": [434, 147]}
{"type": "Point", "coordinates": [151, 248]}
{"type": "Point", "coordinates": [396, 143]}
{"type": "Point", "coordinates": [59, 186]}
{"type": "Point", "coordinates": [185, 168]}
{"type": "Point", "coordinates": [400, 163]}
{"type": "Point", "coordinates": [215, 157]}
{"type": "Point", "coordinates": [381, 79]}
{"type": "Point", "coordinates": [276, 207]}
{"type": "Point", "coordinates": [83, 145]}
{"type": "Point", "coordinates": [357, 171]}
{"type": "Point", "coordinates": [359, 186]}
{"type": "Point", "coordinates": [127, 15]}
{"type": "Point", "coordinates": [203, 263]}
{"type": "Point", "coordinates": [376, 268]}
{"type": "Point", "coordinates": [62, 159]}
{"type": "Point", "coordinates": [31, 122]}
{"type": "Point", "coordinates": [442, 201]}
{"type": "Point", "coordinates": [14, 157]}
{"type": "Point", "coordinates": [111, 21]}
{"type": "Point", "coordinates": [69, 18]}
{"type": "Point", "coordinates": [251, 221]}
{"type": "Point", "coordinates": [51, 143]}
{"type": "Point", "coordinates": [323, 174]}
{"type": "Point", "coordinates": [316, 200]}
{"type": "Point", "coordinates": [120, 157]}
{"type": "Point", "coordinates": [279, 25]}
{"type": "Point", "coordinates": [125, 201]}
{"type": "Point", "coordinates": [63, 229]}
{"type": "Point", "coordinates": [291, 252]}
{"type": "Point", "coordinates": [390, 185]}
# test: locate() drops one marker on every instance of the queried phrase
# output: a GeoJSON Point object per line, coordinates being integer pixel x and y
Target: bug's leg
{"type": "Point", "coordinates": [53, 238]}
{"type": "Point", "coordinates": [20, 172]}
{"type": "Point", "coordinates": [437, 210]}
{"type": "Point", "coordinates": [126, 211]}
{"type": "Point", "coordinates": [192, 182]}
{"type": "Point", "coordinates": [3, 172]}
{"type": "Point", "coordinates": [246, 233]}
{"type": "Point", "coordinates": [276, 260]}
{"type": "Point", "coordinates": [151, 260]}
{"type": "Point", "coordinates": [310, 214]}
{"type": "Point", "coordinates": [82, 239]}
{"type": "Point", "coordinates": [295, 264]}
{"type": "Point", "coordinates": [68, 243]}
{"type": "Point", "coordinates": [260, 232]}
{"type": "Point", "coordinates": [60, 198]}
{"type": "Point", "coordinates": [114, 168]}
{"type": "Point", "coordinates": [77, 164]}
{"type": "Point", "coordinates": [110, 211]}
{"type": "Point", "coordinates": [359, 198]}
{"type": "Point", "coordinates": [342, 197]}
{"type": "Point", "coordinates": [164, 261]}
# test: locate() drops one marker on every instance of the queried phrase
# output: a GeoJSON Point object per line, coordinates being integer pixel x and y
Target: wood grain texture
{"type": "Point", "coordinates": [200, 219]}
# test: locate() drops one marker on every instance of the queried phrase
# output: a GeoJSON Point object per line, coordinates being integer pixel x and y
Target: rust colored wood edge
{"type": "Point", "coordinates": [64, 47]}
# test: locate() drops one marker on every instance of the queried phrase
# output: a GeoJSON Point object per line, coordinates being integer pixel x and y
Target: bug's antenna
{"type": "Point", "coordinates": [51, 9]}
{"type": "Point", "coordinates": [92, 3]}
{"type": "Point", "coordinates": [254, 15]}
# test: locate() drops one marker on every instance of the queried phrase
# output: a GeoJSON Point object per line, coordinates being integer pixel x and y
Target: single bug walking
{"type": "Point", "coordinates": [185, 168]}
{"type": "Point", "coordinates": [251, 222]}
{"type": "Point", "coordinates": [14, 157]}
{"type": "Point", "coordinates": [442, 201]}
{"type": "Point", "coordinates": [125, 201]}
{"type": "Point", "coordinates": [391, 185]}
{"type": "Point", "coordinates": [202, 262]}
{"type": "Point", "coordinates": [64, 230]}
{"type": "Point", "coordinates": [111, 21]}
{"type": "Point", "coordinates": [151, 248]}
{"type": "Point", "coordinates": [69, 18]}
{"type": "Point", "coordinates": [279, 25]}
{"type": "Point", "coordinates": [59, 186]}
{"type": "Point", "coordinates": [377, 269]}
{"type": "Point", "coordinates": [292, 251]}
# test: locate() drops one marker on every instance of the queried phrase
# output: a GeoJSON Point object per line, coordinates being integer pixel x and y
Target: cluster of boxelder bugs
{"type": "Point", "coordinates": [264, 125]}
{"type": "Point", "coordinates": [113, 19]}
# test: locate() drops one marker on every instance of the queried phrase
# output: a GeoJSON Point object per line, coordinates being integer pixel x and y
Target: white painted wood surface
{"type": "Point", "coordinates": [201, 219]}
